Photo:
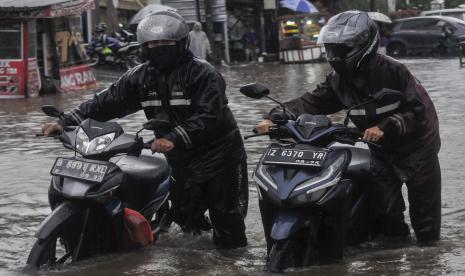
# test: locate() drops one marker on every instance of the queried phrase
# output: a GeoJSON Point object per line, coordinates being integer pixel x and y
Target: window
{"type": "Point", "coordinates": [10, 44]}
{"type": "Point", "coordinates": [420, 24]}
{"type": "Point", "coordinates": [69, 40]}
{"type": "Point", "coordinates": [31, 26]}
{"type": "Point", "coordinates": [411, 25]}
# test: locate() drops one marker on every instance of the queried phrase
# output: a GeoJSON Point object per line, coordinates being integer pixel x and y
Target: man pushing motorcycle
{"type": "Point", "coordinates": [407, 130]}
{"type": "Point", "coordinates": [204, 146]}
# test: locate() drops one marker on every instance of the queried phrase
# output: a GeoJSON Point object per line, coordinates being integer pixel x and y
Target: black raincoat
{"type": "Point", "coordinates": [192, 97]}
{"type": "Point", "coordinates": [411, 143]}
{"type": "Point", "coordinates": [208, 161]}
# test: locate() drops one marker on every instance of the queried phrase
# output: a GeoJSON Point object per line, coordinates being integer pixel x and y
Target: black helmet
{"type": "Point", "coordinates": [100, 27]}
{"type": "Point", "coordinates": [349, 37]}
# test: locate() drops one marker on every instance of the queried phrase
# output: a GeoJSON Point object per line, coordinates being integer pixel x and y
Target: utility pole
{"type": "Point", "coordinates": [210, 31]}
{"type": "Point", "coordinates": [112, 17]}
{"type": "Point", "coordinates": [197, 9]}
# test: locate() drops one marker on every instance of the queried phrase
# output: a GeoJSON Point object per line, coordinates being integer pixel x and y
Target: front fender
{"type": "Point", "coordinates": [61, 214]}
{"type": "Point", "coordinates": [287, 223]}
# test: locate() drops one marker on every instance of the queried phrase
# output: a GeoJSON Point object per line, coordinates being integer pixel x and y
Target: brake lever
{"type": "Point", "coordinates": [369, 142]}
{"type": "Point", "coordinates": [51, 136]}
{"type": "Point", "coordinates": [345, 140]}
{"type": "Point", "coordinates": [255, 135]}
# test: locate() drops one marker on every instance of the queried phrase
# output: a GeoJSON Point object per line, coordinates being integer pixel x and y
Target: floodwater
{"type": "Point", "coordinates": [25, 163]}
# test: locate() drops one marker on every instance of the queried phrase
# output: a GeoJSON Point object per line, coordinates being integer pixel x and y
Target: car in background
{"type": "Point", "coordinates": [425, 35]}
{"type": "Point", "coordinates": [458, 13]}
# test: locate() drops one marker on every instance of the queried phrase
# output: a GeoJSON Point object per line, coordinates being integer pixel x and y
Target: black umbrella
{"type": "Point", "coordinates": [148, 10]}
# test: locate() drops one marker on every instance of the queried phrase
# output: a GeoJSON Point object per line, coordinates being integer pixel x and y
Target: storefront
{"type": "Point", "coordinates": [41, 48]}
{"type": "Point", "coordinates": [298, 35]}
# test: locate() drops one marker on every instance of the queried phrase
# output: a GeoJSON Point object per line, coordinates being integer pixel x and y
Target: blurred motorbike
{"type": "Point", "coordinates": [104, 49]}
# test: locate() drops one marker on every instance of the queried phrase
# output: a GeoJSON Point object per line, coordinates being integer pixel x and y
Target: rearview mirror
{"type": "Point", "coordinates": [157, 124]}
{"type": "Point", "coordinates": [51, 111]}
{"type": "Point", "coordinates": [254, 90]}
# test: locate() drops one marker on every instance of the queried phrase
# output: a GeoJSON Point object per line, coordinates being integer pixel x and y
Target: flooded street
{"type": "Point", "coordinates": [25, 163]}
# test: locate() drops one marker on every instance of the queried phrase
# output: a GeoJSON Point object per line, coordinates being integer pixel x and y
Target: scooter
{"type": "Point", "coordinates": [124, 35]}
{"type": "Point", "coordinates": [313, 189]}
{"type": "Point", "coordinates": [93, 193]}
{"type": "Point", "coordinates": [104, 49]}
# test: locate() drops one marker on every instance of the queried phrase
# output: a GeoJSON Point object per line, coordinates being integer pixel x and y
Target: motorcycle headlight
{"type": "Point", "coordinates": [311, 197]}
{"type": "Point", "coordinates": [328, 177]}
{"type": "Point", "coordinates": [261, 170]}
{"type": "Point", "coordinates": [96, 145]}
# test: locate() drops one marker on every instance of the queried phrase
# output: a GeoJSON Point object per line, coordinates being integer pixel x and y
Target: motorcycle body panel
{"type": "Point", "coordinates": [60, 214]}
{"type": "Point", "coordinates": [287, 223]}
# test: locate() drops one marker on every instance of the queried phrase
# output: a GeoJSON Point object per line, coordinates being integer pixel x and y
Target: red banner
{"type": "Point", "coordinates": [33, 78]}
{"type": "Point", "coordinates": [77, 78]}
{"type": "Point", "coordinates": [12, 81]}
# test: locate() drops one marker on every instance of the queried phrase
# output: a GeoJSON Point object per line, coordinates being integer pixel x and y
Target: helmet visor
{"type": "Point", "coordinates": [340, 51]}
{"type": "Point", "coordinates": [342, 34]}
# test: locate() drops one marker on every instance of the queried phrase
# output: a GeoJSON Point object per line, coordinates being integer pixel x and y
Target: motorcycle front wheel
{"type": "Point", "coordinates": [298, 250]}
{"type": "Point", "coordinates": [55, 249]}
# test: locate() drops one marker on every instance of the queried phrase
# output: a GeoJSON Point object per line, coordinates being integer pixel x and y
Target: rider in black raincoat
{"type": "Point", "coordinates": [204, 146]}
{"type": "Point", "coordinates": [407, 130]}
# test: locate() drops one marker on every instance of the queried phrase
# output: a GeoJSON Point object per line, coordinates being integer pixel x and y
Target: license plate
{"type": "Point", "coordinates": [296, 157]}
{"type": "Point", "coordinates": [78, 169]}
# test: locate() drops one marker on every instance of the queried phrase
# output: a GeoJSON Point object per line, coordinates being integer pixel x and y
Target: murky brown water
{"type": "Point", "coordinates": [25, 163]}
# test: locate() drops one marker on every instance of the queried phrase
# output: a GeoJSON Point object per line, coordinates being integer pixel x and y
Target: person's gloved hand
{"type": "Point", "coordinates": [373, 134]}
{"type": "Point", "coordinates": [49, 129]}
{"type": "Point", "coordinates": [264, 126]}
{"type": "Point", "coordinates": [162, 145]}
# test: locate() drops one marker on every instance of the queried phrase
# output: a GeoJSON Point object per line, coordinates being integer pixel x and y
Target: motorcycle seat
{"type": "Point", "coordinates": [144, 168]}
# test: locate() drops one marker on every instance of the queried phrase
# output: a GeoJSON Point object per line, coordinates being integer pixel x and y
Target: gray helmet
{"type": "Point", "coordinates": [162, 25]}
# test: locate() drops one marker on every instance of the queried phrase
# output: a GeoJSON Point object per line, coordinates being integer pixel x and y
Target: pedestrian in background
{"type": "Point", "coordinates": [199, 44]}
{"type": "Point", "coordinates": [251, 45]}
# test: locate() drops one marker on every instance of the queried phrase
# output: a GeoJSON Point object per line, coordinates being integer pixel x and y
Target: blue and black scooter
{"type": "Point", "coordinates": [313, 189]}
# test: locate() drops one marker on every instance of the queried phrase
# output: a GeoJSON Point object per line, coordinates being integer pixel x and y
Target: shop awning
{"type": "Point", "coordinates": [43, 8]}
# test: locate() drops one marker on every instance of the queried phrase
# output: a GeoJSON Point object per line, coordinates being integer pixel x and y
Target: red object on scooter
{"type": "Point", "coordinates": [137, 231]}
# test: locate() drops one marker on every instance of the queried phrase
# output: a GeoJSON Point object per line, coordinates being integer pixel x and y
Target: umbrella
{"type": "Point", "coordinates": [149, 9]}
{"type": "Point", "coordinates": [299, 6]}
{"type": "Point", "coordinates": [377, 16]}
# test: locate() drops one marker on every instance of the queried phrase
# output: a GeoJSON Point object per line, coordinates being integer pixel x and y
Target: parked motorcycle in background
{"type": "Point", "coordinates": [313, 189]}
{"type": "Point", "coordinates": [124, 34]}
{"type": "Point", "coordinates": [110, 196]}
{"type": "Point", "coordinates": [105, 49]}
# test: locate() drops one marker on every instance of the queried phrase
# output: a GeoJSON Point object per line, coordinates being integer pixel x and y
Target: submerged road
{"type": "Point", "coordinates": [25, 163]}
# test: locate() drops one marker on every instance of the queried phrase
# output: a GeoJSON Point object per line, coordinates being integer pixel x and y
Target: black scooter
{"type": "Point", "coordinates": [89, 191]}
{"type": "Point", "coordinates": [313, 192]}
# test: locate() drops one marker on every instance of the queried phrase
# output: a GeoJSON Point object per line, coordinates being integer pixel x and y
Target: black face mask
{"type": "Point", "coordinates": [337, 55]}
{"type": "Point", "coordinates": [165, 58]}
{"type": "Point", "coordinates": [339, 66]}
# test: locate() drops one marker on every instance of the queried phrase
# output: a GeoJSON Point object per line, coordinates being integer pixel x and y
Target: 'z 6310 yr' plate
{"type": "Point", "coordinates": [294, 157]}
{"type": "Point", "coordinates": [83, 170]}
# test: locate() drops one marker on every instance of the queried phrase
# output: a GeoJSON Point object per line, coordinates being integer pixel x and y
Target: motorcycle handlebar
{"type": "Point", "coordinates": [56, 136]}
{"type": "Point", "coordinates": [256, 135]}
{"type": "Point", "coordinates": [354, 132]}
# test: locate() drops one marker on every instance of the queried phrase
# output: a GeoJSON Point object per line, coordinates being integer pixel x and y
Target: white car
{"type": "Point", "coordinates": [457, 12]}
